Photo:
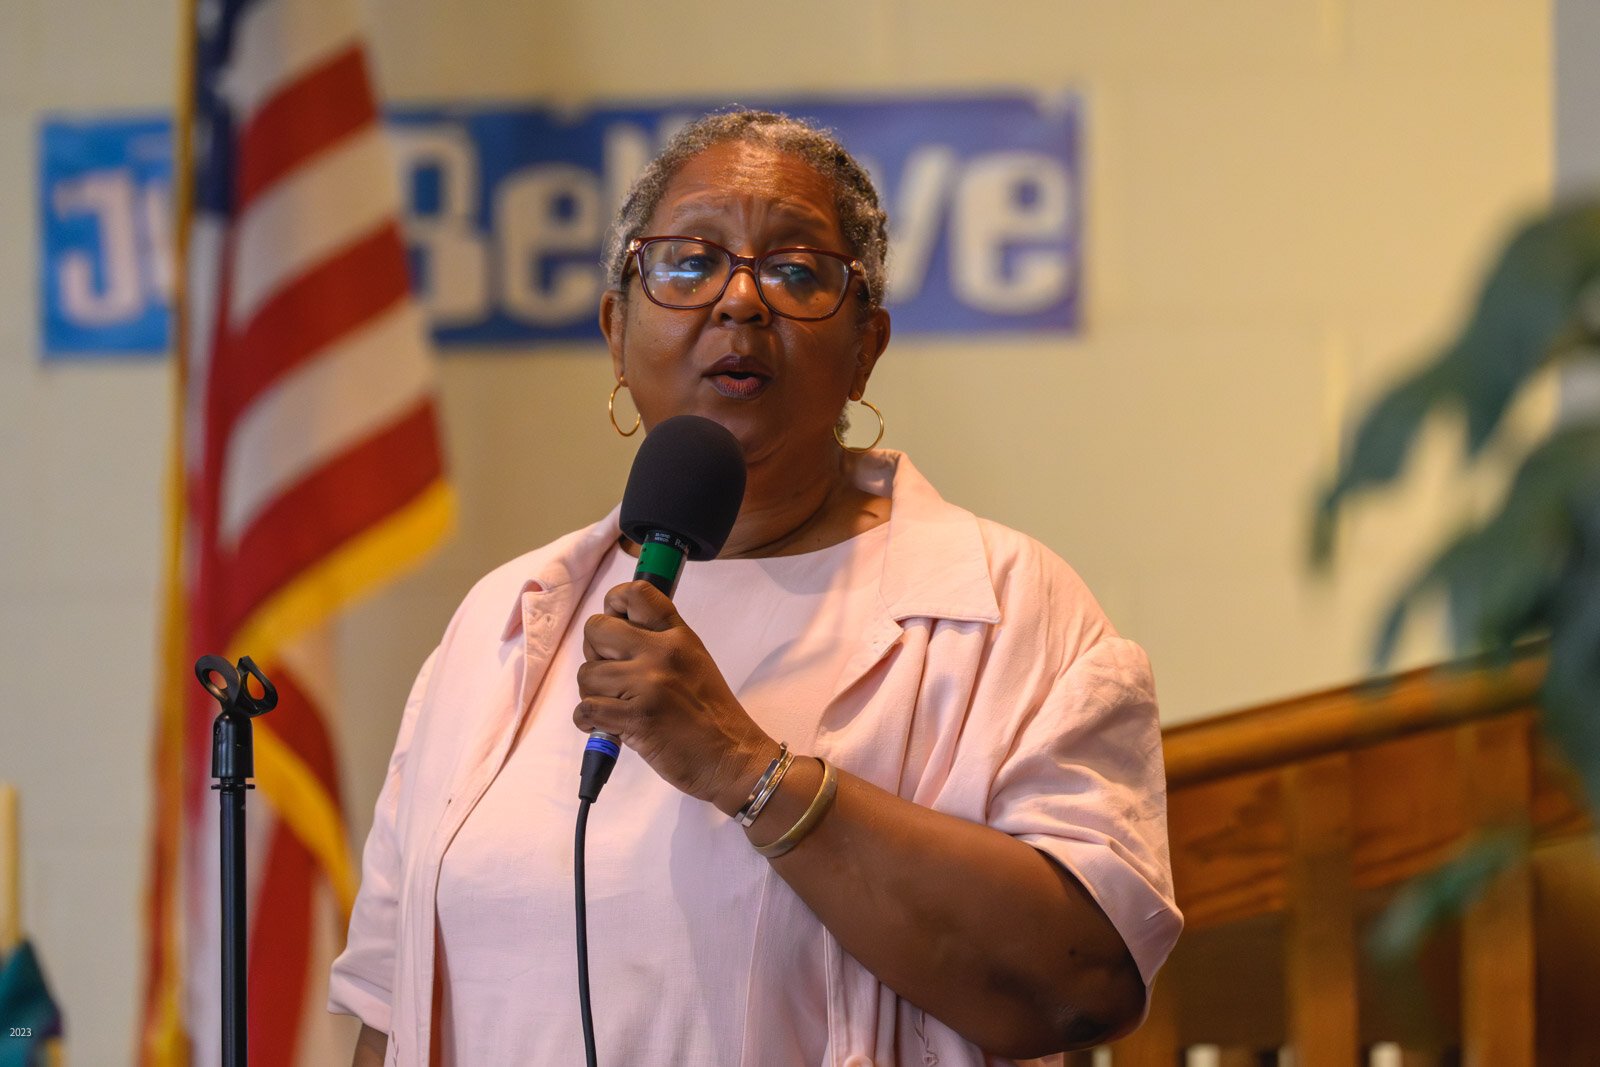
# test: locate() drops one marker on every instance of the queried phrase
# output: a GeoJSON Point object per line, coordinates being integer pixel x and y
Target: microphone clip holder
{"type": "Point", "coordinates": [232, 746]}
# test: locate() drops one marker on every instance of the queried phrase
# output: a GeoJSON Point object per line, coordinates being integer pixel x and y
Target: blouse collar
{"type": "Point", "coordinates": [935, 565]}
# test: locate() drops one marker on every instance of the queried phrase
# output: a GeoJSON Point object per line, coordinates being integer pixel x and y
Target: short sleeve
{"type": "Point", "coordinates": [1083, 782]}
{"type": "Point", "coordinates": [362, 978]}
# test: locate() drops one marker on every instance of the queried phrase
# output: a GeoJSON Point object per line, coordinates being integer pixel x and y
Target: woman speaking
{"type": "Point", "coordinates": [891, 788]}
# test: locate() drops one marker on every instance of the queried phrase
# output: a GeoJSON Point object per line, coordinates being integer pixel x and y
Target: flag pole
{"type": "Point", "coordinates": [164, 1039]}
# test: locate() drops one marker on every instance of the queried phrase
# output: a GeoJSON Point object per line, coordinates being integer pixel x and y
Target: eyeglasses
{"type": "Point", "coordinates": [798, 283]}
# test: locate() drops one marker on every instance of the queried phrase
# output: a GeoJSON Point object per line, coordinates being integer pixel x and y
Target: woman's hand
{"type": "Point", "coordinates": [648, 680]}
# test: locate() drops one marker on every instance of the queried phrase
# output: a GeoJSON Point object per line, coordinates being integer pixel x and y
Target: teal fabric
{"type": "Point", "coordinates": [28, 1013]}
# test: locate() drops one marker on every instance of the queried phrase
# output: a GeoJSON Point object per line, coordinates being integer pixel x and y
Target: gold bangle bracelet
{"type": "Point", "coordinates": [807, 822]}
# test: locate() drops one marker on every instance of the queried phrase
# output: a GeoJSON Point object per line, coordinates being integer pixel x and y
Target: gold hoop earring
{"type": "Point", "coordinates": [611, 410]}
{"type": "Point", "coordinates": [864, 402]}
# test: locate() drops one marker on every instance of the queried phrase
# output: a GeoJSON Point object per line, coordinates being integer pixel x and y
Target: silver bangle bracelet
{"type": "Point", "coordinates": [766, 793]}
{"type": "Point", "coordinates": [767, 786]}
{"type": "Point", "coordinates": [761, 783]}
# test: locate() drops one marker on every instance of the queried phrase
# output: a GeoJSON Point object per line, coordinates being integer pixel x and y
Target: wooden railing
{"type": "Point", "coordinates": [1292, 825]}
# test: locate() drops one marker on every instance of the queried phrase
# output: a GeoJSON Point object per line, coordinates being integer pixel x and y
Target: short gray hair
{"type": "Point", "coordinates": [855, 198]}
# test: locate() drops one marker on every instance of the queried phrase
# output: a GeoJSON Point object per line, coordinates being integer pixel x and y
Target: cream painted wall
{"type": "Point", "coordinates": [1286, 202]}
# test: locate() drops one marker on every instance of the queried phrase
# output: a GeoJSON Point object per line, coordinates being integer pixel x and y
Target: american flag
{"type": "Point", "coordinates": [306, 472]}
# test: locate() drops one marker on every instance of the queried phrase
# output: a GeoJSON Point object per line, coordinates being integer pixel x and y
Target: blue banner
{"type": "Point", "coordinates": [104, 221]}
{"type": "Point", "coordinates": [508, 208]}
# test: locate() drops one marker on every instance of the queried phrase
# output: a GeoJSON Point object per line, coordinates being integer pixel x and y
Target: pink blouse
{"type": "Point", "coordinates": [959, 664]}
{"type": "Point", "coordinates": [668, 972]}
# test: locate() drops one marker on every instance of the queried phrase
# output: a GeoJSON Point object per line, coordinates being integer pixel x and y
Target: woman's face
{"type": "Point", "coordinates": [778, 384]}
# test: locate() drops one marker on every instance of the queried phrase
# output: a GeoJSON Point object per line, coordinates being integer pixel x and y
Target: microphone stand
{"type": "Point", "coordinates": [233, 765]}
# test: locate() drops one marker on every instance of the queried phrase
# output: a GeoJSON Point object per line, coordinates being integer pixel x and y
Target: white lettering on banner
{"type": "Point", "coordinates": [992, 215]}
{"type": "Point", "coordinates": [543, 211]}
{"type": "Point", "coordinates": [627, 153]}
{"type": "Point", "coordinates": [919, 207]}
{"type": "Point", "coordinates": [456, 277]}
{"type": "Point", "coordinates": [106, 196]}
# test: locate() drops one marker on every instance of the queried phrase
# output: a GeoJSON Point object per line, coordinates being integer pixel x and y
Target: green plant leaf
{"type": "Point", "coordinates": [1529, 302]}
{"type": "Point", "coordinates": [1502, 579]}
{"type": "Point", "coordinates": [1526, 313]}
{"type": "Point", "coordinates": [1382, 443]}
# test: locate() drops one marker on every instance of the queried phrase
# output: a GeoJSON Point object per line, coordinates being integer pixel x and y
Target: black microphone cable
{"type": "Point", "coordinates": [599, 756]}
{"type": "Point", "coordinates": [583, 933]}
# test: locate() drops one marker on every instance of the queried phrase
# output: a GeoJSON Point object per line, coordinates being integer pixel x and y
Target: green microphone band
{"type": "Point", "coordinates": [660, 559]}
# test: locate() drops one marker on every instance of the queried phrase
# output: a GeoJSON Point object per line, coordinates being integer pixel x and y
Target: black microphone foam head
{"type": "Point", "coordinates": [688, 479]}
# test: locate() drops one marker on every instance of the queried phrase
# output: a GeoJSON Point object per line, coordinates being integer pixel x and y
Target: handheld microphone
{"type": "Point", "coordinates": [682, 499]}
